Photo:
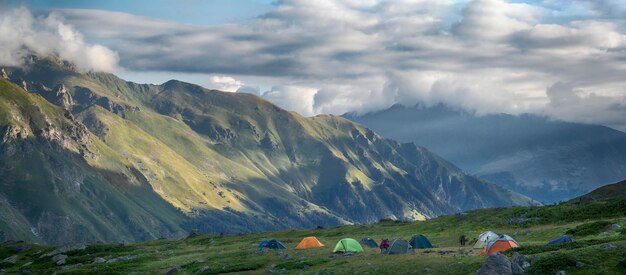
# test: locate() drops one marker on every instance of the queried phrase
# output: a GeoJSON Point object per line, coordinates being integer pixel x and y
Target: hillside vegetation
{"type": "Point", "coordinates": [532, 227]}
{"type": "Point", "coordinates": [91, 157]}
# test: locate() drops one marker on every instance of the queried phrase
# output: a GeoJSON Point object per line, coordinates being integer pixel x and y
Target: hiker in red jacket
{"type": "Point", "coordinates": [384, 245]}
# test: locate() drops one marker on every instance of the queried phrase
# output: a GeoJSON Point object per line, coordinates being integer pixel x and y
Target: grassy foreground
{"type": "Point", "coordinates": [532, 227]}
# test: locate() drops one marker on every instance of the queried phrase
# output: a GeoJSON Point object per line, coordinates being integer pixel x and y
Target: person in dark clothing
{"type": "Point", "coordinates": [462, 240]}
{"type": "Point", "coordinates": [384, 245]}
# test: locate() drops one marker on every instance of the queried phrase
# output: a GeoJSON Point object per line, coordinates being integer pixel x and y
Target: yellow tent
{"type": "Point", "coordinates": [309, 242]}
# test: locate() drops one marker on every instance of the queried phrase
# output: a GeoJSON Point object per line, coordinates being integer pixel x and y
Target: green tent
{"type": "Point", "coordinates": [420, 241]}
{"type": "Point", "coordinates": [347, 245]}
{"type": "Point", "coordinates": [398, 247]}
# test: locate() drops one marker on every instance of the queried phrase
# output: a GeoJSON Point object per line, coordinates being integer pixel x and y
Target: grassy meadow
{"type": "Point", "coordinates": [532, 227]}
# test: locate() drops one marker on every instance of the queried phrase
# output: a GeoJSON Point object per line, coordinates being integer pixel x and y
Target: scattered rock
{"type": "Point", "coordinates": [67, 267]}
{"type": "Point", "coordinates": [348, 254]}
{"type": "Point", "coordinates": [59, 257]}
{"type": "Point", "coordinates": [496, 264]}
{"type": "Point", "coordinates": [64, 249]}
{"type": "Point", "coordinates": [609, 246]}
{"type": "Point", "coordinates": [199, 261]}
{"type": "Point", "coordinates": [520, 260]}
{"type": "Point", "coordinates": [534, 259]}
{"type": "Point", "coordinates": [516, 269]}
{"type": "Point", "coordinates": [22, 248]}
{"type": "Point", "coordinates": [126, 258]}
{"type": "Point", "coordinates": [202, 269]}
{"type": "Point", "coordinates": [426, 270]}
{"type": "Point", "coordinates": [561, 272]}
{"type": "Point", "coordinates": [173, 270]}
{"type": "Point", "coordinates": [580, 264]}
{"type": "Point", "coordinates": [2, 272]}
{"type": "Point", "coordinates": [285, 257]}
{"type": "Point", "coordinates": [615, 226]}
{"type": "Point", "coordinates": [122, 258]}
{"type": "Point", "coordinates": [11, 260]}
{"type": "Point", "coordinates": [27, 264]}
{"type": "Point", "coordinates": [99, 260]}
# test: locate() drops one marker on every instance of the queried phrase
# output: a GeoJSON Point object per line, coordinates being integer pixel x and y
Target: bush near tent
{"type": "Point", "coordinates": [504, 243]}
{"type": "Point", "coordinates": [369, 242]}
{"type": "Point", "coordinates": [562, 239]}
{"type": "Point", "coordinates": [273, 244]}
{"type": "Point", "coordinates": [348, 245]}
{"type": "Point", "coordinates": [398, 247]}
{"type": "Point", "coordinates": [484, 239]}
{"type": "Point", "coordinates": [420, 241]}
{"type": "Point", "coordinates": [309, 242]}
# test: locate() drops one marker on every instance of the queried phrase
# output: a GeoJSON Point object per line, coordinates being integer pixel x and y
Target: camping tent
{"type": "Point", "coordinates": [485, 238]}
{"type": "Point", "coordinates": [420, 241]}
{"type": "Point", "coordinates": [505, 242]}
{"type": "Point", "coordinates": [263, 244]}
{"type": "Point", "coordinates": [562, 239]}
{"type": "Point", "coordinates": [369, 242]}
{"type": "Point", "coordinates": [273, 244]}
{"type": "Point", "coordinates": [398, 247]}
{"type": "Point", "coordinates": [347, 245]}
{"type": "Point", "coordinates": [309, 242]}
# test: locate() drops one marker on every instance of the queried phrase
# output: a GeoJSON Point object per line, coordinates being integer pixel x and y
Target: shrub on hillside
{"type": "Point", "coordinates": [589, 228]}
{"type": "Point", "coordinates": [551, 264]}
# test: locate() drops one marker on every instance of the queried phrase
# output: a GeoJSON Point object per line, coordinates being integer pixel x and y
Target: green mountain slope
{"type": "Point", "coordinates": [184, 158]}
{"type": "Point", "coordinates": [615, 191]}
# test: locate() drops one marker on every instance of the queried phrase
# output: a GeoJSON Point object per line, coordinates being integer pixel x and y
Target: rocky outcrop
{"type": "Point", "coordinates": [62, 97]}
{"type": "Point", "coordinates": [496, 264]}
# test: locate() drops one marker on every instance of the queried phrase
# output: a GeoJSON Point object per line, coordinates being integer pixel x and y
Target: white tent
{"type": "Point", "coordinates": [484, 238]}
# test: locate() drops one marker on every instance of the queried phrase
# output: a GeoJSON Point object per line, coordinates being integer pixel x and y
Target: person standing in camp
{"type": "Point", "coordinates": [462, 240]}
{"type": "Point", "coordinates": [384, 245]}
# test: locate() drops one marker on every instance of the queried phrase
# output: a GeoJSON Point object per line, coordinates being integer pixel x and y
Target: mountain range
{"type": "Point", "coordinates": [88, 157]}
{"type": "Point", "coordinates": [545, 159]}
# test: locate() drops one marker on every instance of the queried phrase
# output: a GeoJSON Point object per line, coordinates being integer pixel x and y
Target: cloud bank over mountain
{"type": "Point", "coordinates": [22, 33]}
{"type": "Point", "coordinates": [565, 59]}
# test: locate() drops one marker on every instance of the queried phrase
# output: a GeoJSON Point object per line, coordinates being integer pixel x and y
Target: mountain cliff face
{"type": "Point", "coordinates": [90, 157]}
{"type": "Point", "coordinates": [547, 160]}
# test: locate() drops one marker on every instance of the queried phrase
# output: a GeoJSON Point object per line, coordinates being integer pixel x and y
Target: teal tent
{"type": "Point", "coordinates": [369, 242]}
{"type": "Point", "coordinates": [398, 247]}
{"type": "Point", "coordinates": [273, 244]}
{"type": "Point", "coordinates": [420, 241]}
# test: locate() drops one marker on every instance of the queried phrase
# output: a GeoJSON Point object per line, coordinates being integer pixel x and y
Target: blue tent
{"type": "Point", "coordinates": [273, 244]}
{"type": "Point", "coordinates": [562, 239]}
{"type": "Point", "coordinates": [263, 244]}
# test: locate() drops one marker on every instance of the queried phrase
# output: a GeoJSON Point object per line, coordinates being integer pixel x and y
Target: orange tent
{"type": "Point", "coordinates": [501, 244]}
{"type": "Point", "coordinates": [309, 242]}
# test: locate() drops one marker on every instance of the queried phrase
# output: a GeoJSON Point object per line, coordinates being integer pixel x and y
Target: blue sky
{"type": "Point", "coordinates": [560, 58]}
{"type": "Point", "coordinates": [185, 11]}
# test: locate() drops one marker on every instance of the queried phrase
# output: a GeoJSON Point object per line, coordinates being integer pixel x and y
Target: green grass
{"type": "Point", "coordinates": [239, 254]}
{"type": "Point", "coordinates": [589, 228]}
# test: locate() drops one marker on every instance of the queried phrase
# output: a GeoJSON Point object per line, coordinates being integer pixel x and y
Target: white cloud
{"type": "Point", "coordinates": [293, 98]}
{"type": "Point", "coordinates": [346, 55]}
{"type": "Point", "coordinates": [22, 33]}
{"type": "Point", "coordinates": [225, 83]}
